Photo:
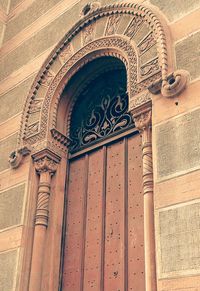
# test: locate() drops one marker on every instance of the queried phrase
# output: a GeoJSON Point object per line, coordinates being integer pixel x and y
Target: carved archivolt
{"type": "Point", "coordinates": [131, 32]}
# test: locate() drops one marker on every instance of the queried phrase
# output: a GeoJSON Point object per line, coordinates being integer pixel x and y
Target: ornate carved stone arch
{"type": "Point", "coordinates": [132, 32]}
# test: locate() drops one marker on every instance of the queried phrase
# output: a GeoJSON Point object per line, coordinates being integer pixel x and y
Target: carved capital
{"type": "Point", "coordinates": [45, 164]}
{"type": "Point", "coordinates": [46, 161]}
{"type": "Point", "coordinates": [142, 116]}
{"type": "Point", "coordinates": [17, 156]}
{"type": "Point", "coordinates": [143, 120]}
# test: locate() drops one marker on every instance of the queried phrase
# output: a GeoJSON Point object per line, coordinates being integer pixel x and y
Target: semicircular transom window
{"type": "Point", "coordinates": [101, 110]}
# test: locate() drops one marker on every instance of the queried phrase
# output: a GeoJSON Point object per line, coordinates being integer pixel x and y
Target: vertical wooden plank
{"type": "Point", "coordinates": [105, 243]}
{"type": "Point", "coordinates": [125, 214]}
{"type": "Point", "coordinates": [75, 226]}
{"type": "Point", "coordinates": [103, 217]}
{"type": "Point", "coordinates": [136, 278]}
{"type": "Point", "coordinates": [93, 235]}
{"type": "Point", "coordinates": [114, 240]}
{"type": "Point", "coordinates": [84, 221]}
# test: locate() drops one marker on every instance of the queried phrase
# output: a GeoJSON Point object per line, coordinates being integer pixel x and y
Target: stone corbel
{"type": "Point", "coordinates": [16, 157]}
{"type": "Point", "coordinates": [172, 86]}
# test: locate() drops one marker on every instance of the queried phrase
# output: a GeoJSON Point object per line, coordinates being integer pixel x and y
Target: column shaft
{"type": "Point", "coordinates": [142, 119]}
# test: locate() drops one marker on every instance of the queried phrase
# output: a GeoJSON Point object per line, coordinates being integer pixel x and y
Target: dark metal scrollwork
{"type": "Point", "coordinates": [105, 119]}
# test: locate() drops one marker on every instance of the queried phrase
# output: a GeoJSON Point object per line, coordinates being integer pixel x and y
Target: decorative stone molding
{"type": "Point", "coordinates": [142, 118]}
{"type": "Point", "coordinates": [45, 165]}
{"type": "Point", "coordinates": [141, 71]}
{"type": "Point", "coordinates": [90, 7]}
{"type": "Point", "coordinates": [173, 86]}
{"type": "Point", "coordinates": [112, 24]}
{"type": "Point", "coordinates": [61, 138]}
{"type": "Point", "coordinates": [16, 157]}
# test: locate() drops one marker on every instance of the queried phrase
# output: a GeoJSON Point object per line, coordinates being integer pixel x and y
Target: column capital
{"type": "Point", "coordinates": [142, 116]}
{"type": "Point", "coordinates": [46, 161]}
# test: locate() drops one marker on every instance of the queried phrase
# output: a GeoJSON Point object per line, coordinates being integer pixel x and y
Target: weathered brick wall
{"type": "Point", "coordinates": [29, 30]}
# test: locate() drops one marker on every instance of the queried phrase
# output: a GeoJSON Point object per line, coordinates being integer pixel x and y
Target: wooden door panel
{"type": "Point", "coordinates": [93, 262]}
{"type": "Point", "coordinates": [104, 247]}
{"type": "Point", "coordinates": [75, 225]}
{"type": "Point", "coordinates": [136, 278]}
{"type": "Point", "coordinates": [114, 243]}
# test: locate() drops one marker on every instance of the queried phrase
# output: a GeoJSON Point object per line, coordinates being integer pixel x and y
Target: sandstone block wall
{"type": "Point", "coordinates": [29, 30]}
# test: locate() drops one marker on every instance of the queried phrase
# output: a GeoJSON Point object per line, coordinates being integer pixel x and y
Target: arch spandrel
{"type": "Point", "coordinates": [130, 32]}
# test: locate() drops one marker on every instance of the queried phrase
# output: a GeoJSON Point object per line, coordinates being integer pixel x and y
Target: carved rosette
{"type": "Point", "coordinates": [45, 166]}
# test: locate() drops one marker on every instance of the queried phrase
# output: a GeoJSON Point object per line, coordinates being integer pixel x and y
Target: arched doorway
{"type": "Point", "coordinates": [136, 35]}
{"type": "Point", "coordinates": [104, 240]}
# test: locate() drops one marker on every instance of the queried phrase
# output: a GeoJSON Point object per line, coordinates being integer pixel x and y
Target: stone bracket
{"type": "Point", "coordinates": [173, 86]}
{"type": "Point", "coordinates": [16, 156]}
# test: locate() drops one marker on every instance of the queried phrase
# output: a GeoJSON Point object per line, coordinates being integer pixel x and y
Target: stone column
{"type": "Point", "coordinates": [142, 119]}
{"type": "Point", "coordinates": [45, 166]}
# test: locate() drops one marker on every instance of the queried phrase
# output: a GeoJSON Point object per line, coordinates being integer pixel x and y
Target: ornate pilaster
{"type": "Point", "coordinates": [142, 119]}
{"type": "Point", "coordinates": [143, 123]}
{"type": "Point", "coordinates": [45, 165]}
{"type": "Point", "coordinates": [46, 168]}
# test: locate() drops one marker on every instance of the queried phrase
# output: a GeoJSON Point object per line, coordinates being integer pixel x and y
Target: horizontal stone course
{"type": "Point", "coordinates": [11, 206]}
{"type": "Point", "coordinates": [8, 267]}
{"type": "Point", "coordinates": [1, 32]}
{"type": "Point", "coordinates": [45, 38]}
{"type": "Point", "coordinates": [175, 9]}
{"type": "Point", "coordinates": [10, 238]}
{"type": "Point", "coordinates": [188, 56]}
{"type": "Point", "coordinates": [37, 44]}
{"type": "Point", "coordinates": [13, 101]}
{"type": "Point", "coordinates": [14, 3]}
{"type": "Point", "coordinates": [177, 145]}
{"type": "Point", "coordinates": [6, 147]}
{"type": "Point", "coordinates": [4, 4]}
{"type": "Point", "coordinates": [179, 233]}
{"type": "Point", "coordinates": [34, 11]}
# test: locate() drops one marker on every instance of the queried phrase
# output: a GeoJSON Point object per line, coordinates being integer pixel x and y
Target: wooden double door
{"type": "Point", "coordinates": [104, 241]}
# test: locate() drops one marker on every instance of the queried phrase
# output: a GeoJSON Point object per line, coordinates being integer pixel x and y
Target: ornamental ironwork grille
{"type": "Point", "coordinates": [101, 110]}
